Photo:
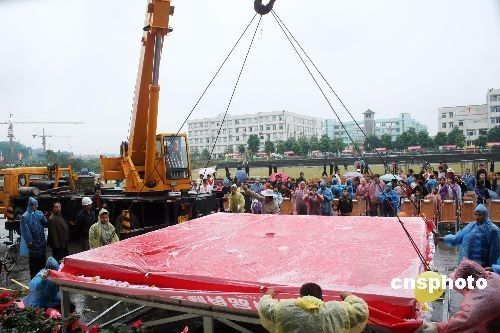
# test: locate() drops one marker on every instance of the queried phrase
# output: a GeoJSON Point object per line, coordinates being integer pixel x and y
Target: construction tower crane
{"type": "Point", "coordinates": [10, 131]}
{"type": "Point", "coordinates": [45, 136]}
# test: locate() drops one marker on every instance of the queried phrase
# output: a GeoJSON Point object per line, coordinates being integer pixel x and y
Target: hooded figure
{"type": "Point", "coordinates": [102, 232]}
{"type": "Point", "coordinates": [480, 308]}
{"type": "Point", "coordinates": [32, 224]}
{"type": "Point", "coordinates": [326, 204]}
{"type": "Point", "coordinates": [43, 292]}
{"type": "Point", "coordinates": [479, 241]}
{"type": "Point", "coordinates": [390, 200]}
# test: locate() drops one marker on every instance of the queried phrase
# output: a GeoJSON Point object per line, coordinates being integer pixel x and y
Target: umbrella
{"type": "Point", "coordinates": [207, 171]}
{"type": "Point", "coordinates": [283, 176]}
{"type": "Point", "coordinates": [241, 175]}
{"type": "Point", "coordinates": [493, 194]}
{"type": "Point", "coordinates": [353, 174]}
{"type": "Point", "coordinates": [389, 177]}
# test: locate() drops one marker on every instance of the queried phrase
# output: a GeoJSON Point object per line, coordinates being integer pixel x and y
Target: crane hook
{"type": "Point", "coordinates": [262, 9]}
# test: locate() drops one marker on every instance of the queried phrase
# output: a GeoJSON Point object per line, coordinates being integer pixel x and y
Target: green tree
{"type": "Point", "coordinates": [406, 139]}
{"type": "Point", "coordinates": [280, 147]}
{"type": "Point", "coordinates": [324, 143]}
{"type": "Point", "coordinates": [253, 143]}
{"type": "Point", "coordinates": [205, 154]}
{"type": "Point", "coordinates": [297, 149]}
{"type": "Point", "coordinates": [241, 149]}
{"type": "Point", "coordinates": [481, 141]}
{"type": "Point", "coordinates": [386, 141]}
{"type": "Point", "coordinates": [494, 134]}
{"type": "Point", "coordinates": [338, 145]}
{"type": "Point", "coordinates": [305, 146]}
{"type": "Point", "coordinates": [289, 143]}
{"type": "Point", "coordinates": [372, 142]}
{"type": "Point", "coordinates": [314, 143]}
{"type": "Point", "coordinates": [456, 137]}
{"type": "Point", "coordinates": [440, 139]}
{"type": "Point", "coordinates": [195, 154]}
{"type": "Point", "coordinates": [229, 149]}
{"type": "Point", "coordinates": [424, 139]}
{"type": "Point", "coordinates": [269, 147]}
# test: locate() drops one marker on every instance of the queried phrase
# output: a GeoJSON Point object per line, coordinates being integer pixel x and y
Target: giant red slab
{"type": "Point", "coordinates": [240, 253]}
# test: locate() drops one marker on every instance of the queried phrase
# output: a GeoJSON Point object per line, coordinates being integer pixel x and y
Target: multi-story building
{"type": "Point", "coordinates": [473, 120]}
{"type": "Point", "coordinates": [369, 125]}
{"type": "Point", "coordinates": [273, 126]}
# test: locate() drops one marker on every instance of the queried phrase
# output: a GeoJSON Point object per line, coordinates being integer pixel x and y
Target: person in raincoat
{"type": "Point", "coordinates": [309, 313]}
{"type": "Point", "coordinates": [313, 200]}
{"type": "Point", "coordinates": [326, 204]}
{"type": "Point", "coordinates": [390, 201]}
{"type": "Point", "coordinates": [479, 241]}
{"type": "Point", "coordinates": [32, 223]}
{"type": "Point", "coordinates": [102, 232]}
{"type": "Point", "coordinates": [44, 293]}
{"type": "Point", "coordinates": [257, 186]}
{"type": "Point", "coordinates": [269, 204]}
{"type": "Point", "coordinates": [480, 308]}
{"type": "Point", "coordinates": [350, 188]}
{"type": "Point", "coordinates": [300, 204]}
{"type": "Point", "coordinates": [236, 200]}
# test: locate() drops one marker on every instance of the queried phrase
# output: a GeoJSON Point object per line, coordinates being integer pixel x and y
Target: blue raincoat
{"type": "Point", "coordinates": [350, 188]}
{"type": "Point", "coordinates": [32, 224]}
{"type": "Point", "coordinates": [336, 189]}
{"type": "Point", "coordinates": [43, 292]}
{"type": "Point", "coordinates": [496, 268]}
{"type": "Point", "coordinates": [326, 204]}
{"type": "Point", "coordinates": [390, 197]}
{"type": "Point", "coordinates": [478, 242]}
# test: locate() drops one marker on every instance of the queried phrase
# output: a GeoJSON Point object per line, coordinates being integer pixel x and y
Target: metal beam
{"type": "Point", "coordinates": [234, 325]}
{"type": "Point", "coordinates": [103, 313]}
{"type": "Point", "coordinates": [252, 319]}
{"type": "Point", "coordinates": [112, 321]}
{"type": "Point", "coordinates": [168, 320]}
{"type": "Point", "coordinates": [208, 324]}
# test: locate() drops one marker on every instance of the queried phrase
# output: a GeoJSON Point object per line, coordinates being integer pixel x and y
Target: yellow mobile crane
{"type": "Point", "coordinates": [156, 168]}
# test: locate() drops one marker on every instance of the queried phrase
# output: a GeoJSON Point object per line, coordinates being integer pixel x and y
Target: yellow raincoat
{"type": "Point", "coordinates": [309, 314]}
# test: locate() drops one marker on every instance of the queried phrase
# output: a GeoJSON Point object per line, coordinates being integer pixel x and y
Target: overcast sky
{"type": "Point", "coordinates": [77, 60]}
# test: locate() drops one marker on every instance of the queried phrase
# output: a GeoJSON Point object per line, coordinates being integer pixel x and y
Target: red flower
{"type": "Point", "coordinates": [136, 324]}
{"type": "Point", "coordinates": [95, 329]}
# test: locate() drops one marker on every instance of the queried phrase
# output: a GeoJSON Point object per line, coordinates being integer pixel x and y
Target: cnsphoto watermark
{"type": "Point", "coordinates": [429, 286]}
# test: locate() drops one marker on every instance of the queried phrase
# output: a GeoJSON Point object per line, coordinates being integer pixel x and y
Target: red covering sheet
{"type": "Point", "coordinates": [226, 259]}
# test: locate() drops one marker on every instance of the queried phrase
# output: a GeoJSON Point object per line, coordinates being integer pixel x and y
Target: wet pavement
{"type": "Point", "coordinates": [445, 261]}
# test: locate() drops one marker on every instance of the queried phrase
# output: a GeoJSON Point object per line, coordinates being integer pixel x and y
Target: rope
{"type": "Point", "coordinates": [345, 107]}
{"type": "Point", "coordinates": [279, 22]}
{"type": "Point", "coordinates": [234, 91]}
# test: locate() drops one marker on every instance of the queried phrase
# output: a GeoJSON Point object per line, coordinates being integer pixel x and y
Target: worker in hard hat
{"type": "Point", "coordinates": [309, 313]}
{"type": "Point", "coordinates": [84, 220]}
{"type": "Point", "coordinates": [102, 232]}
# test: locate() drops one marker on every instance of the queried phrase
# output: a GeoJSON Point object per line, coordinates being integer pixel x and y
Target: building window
{"type": "Point", "coordinates": [443, 125]}
{"type": "Point", "coordinates": [280, 127]}
{"type": "Point", "coordinates": [493, 98]}
{"type": "Point", "coordinates": [274, 127]}
{"type": "Point", "coordinates": [495, 120]}
{"type": "Point", "coordinates": [470, 133]}
{"type": "Point", "coordinates": [280, 118]}
{"type": "Point", "coordinates": [443, 115]}
{"type": "Point", "coordinates": [450, 125]}
{"type": "Point", "coordinates": [450, 114]}
{"type": "Point", "coordinates": [237, 138]}
{"type": "Point", "coordinates": [495, 108]}
{"type": "Point", "coordinates": [236, 122]}
{"type": "Point", "coordinates": [268, 128]}
{"type": "Point", "coordinates": [262, 137]}
{"type": "Point", "coordinates": [460, 123]}
{"type": "Point", "coordinates": [261, 127]}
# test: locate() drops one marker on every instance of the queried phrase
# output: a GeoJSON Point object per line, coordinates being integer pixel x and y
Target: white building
{"type": "Point", "coordinates": [473, 120]}
{"type": "Point", "coordinates": [392, 126]}
{"type": "Point", "coordinates": [275, 126]}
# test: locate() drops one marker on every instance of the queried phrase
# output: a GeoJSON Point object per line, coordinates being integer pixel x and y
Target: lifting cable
{"type": "Point", "coordinates": [234, 91]}
{"type": "Point", "coordinates": [344, 106]}
{"type": "Point", "coordinates": [281, 25]}
{"type": "Point", "coordinates": [350, 114]}
{"type": "Point", "coordinates": [196, 105]}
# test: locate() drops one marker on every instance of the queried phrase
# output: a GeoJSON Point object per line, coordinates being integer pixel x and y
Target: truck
{"type": "Point", "coordinates": [154, 168]}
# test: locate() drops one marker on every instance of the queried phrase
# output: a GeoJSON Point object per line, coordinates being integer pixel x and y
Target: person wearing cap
{"type": "Point", "coordinates": [479, 241]}
{"type": "Point", "coordinates": [269, 205]}
{"type": "Point", "coordinates": [102, 232]}
{"type": "Point", "coordinates": [32, 224]}
{"type": "Point", "coordinates": [236, 200]}
{"type": "Point", "coordinates": [84, 220]}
